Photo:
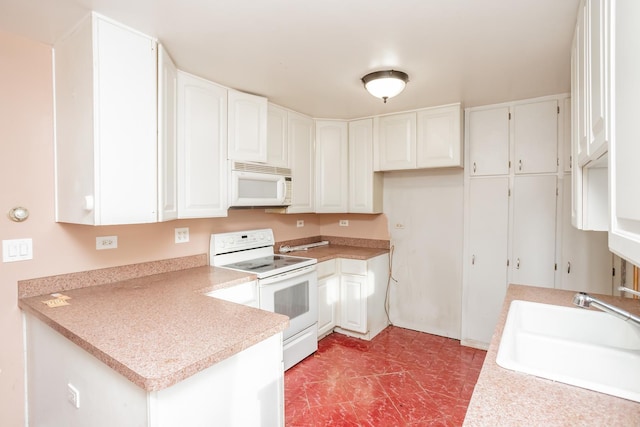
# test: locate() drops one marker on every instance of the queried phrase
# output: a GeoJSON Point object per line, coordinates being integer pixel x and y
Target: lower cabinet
{"type": "Point", "coordinates": [351, 296]}
{"type": "Point", "coordinates": [246, 389]}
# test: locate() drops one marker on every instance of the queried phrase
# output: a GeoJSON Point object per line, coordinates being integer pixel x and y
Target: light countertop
{"type": "Point", "coordinates": [507, 398]}
{"type": "Point", "coordinates": [159, 329]}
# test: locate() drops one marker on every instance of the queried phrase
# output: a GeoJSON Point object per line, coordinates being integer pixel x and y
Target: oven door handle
{"type": "Point", "coordinates": [287, 275]}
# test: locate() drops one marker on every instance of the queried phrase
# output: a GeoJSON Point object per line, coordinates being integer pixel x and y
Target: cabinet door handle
{"type": "Point", "coordinates": [568, 267]}
{"type": "Point", "coordinates": [519, 165]}
{"type": "Point", "coordinates": [473, 260]}
{"type": "Point", "coordinates": [570, 162]}
{"type": "Point", "coordinates": [518, 264]}
{"type": "Point", "coordinates": [474, 167]}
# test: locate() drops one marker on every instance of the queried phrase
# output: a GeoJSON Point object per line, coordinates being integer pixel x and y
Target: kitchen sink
{"type": "Point", "coordinates": [584, 348]}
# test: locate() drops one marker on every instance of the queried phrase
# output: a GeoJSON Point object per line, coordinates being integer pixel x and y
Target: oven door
{"type": "Point", "coordinates": [294, 294]}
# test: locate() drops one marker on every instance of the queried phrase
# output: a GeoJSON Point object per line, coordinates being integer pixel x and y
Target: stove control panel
{"type": "Point", "coordinates": [241, 240]}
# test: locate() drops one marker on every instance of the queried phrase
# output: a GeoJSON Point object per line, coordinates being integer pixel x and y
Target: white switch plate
{"type": "Point", "coordinates": [300, 223]}
{"type": "Point", "coordinates": [17, 250]}
{"type": "Point", "coordinates": [182, 235]}
{"type": "Point", "coordinates": [106, 242]}
{"type": "Point", "coordinates": [344, 223]}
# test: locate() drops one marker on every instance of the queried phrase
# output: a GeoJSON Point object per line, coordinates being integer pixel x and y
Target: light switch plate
{"type": "Point", "coordinates": [17, 250]}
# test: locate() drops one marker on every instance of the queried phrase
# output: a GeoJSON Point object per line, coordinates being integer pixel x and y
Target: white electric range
{"type": "Point", "coordinates": [286, 284]}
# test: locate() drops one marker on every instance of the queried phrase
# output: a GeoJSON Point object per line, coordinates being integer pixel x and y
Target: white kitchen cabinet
{"type": "Point", "coordinates": [624, 149]}
{"type": "Point", "coordinates": [534, 230]}
{"type": "Point", "coordinates": [428, 138]}
{"type": "Point", "coordinates": [486, 258]}
{"type": "Point", "coordinates": [365, 186]}
{"type": "Point", "coordinates": [202, 137]}
{"type": "Point", "coordinates": [106, 125]}
{"type": "Point", "coordinates": [586, 262]}
{"type": "Point", "coordinates": [247, 126]}
{"type": "Point", "coordinates": [302, 159]}
{"type": "Point", "coordinates": [332, 167]}
{"type": "Point", "coordinates": [439, 137]}
{"type": "Point", "coordinates": [395, 147]}
{"type": "Point", "coordinates": [535, 135]}
{"type": "Point", "coordinates": [167, 137]}
{"type": "Point", "coordinates": [590, 123]}
{"type": "Point", "coordinates": [597, 63]}
{"type": "Point", "coordinates": [109, 399]}
{"type": "Point", "coordinates": [277, 136]}
{"type": "Point", "coordinates": [362, 296]}
{"type": "Point", "coordinates": [328, 296]}
{"type": "Point", "coordinates": [488, 139]}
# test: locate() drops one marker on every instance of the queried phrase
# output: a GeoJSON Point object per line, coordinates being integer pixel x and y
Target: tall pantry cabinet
{"type": "Point", "coordinates": [513, 208]}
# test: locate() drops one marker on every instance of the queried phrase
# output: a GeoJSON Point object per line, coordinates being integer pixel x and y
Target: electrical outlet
{"type": "Point", "coordinates": [73, 396]}
{"type": "Point", "coordinates": [106, 242]}
{"type": "Point", "coordinates": [182, 235]}
{"type": "Point", "coordinates": [344, 223]}
{"type": "Point", "coordinates": [300, 223]}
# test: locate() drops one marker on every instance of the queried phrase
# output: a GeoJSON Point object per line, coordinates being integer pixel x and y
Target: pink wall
{"type": "Point", "coordinates": [26, 179]}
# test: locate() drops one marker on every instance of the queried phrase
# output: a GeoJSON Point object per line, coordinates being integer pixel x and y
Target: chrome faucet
{"type": "Point", "coordinates": [584, 300]}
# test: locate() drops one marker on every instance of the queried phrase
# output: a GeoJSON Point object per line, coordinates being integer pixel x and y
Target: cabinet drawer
{"type": "Point", "coordinates": [353, 266]}
{"type": "Point", "coordinates": [326, 268]}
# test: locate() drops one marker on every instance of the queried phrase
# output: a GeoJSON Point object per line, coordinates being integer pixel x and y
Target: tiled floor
{"type": "Point", "coordinates": [400, 378]}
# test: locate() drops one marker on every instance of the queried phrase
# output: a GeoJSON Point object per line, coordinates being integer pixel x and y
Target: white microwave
{"type": "Point", "coordinates": [255, 185]}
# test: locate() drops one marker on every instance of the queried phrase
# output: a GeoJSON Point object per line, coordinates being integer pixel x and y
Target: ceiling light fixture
{"type": "Point", "coordinates": [385, 84]}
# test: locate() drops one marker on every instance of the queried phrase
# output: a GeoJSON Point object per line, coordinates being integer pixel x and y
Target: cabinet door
{"type": "Point", "coordinates": [579, 88]}
{"type": "Point", "coordinates": [332, 179]}
{"type": "Point", "coordinates": [489, 141]}
{"type": "Point", "coordinates": [534, 230]}
{"type": "Point", "coordinates": [247, 127]}
{"type": "Point", "coordinates": [202, 165]}
{"type": "Point", "coordinates": [396, 143]}
{"type": "Point", "coordinates": [328, 298]}
{"type": "Point", "coordinates": [536, 137]}
{"type": "Point", "coordinates": [486, 268]}
{"type": "Point", "coordinates": [106, 125]}
{"type": "Point", "coordinates": [439, 140]}
{"type": "Point", "coordinates": [277, 138]}
{"type": "Point", "coordinates": [565, 142]}
{"type": "Point", "coordinates": [167, 145]}
{"type": "Point", "coordinates": [586, 262]}
{"type": "Point", "coordinates": [365, 186]}
{"type": "Point", "coordinates": [598, 135]}
{"type": "Point", "coordinates": [301, 153]}
{"type": "Point", "coordinates": [353, 302]}
{"type": "Point", "coordinates": [624, 149]}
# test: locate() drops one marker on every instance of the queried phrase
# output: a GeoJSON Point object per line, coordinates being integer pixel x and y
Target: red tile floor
{"type": "Point", "coordinates": [400, 378]}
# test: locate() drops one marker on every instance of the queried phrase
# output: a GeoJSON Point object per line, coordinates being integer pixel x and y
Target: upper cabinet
{"type": "Point", "coordinates": [590, 122]}
{"type": "Point", "coordinates": [439, 137]}
{"type": "Point", "coordinates": [302, 160]}
{"type": "Point", "coordinates": [247, 127]}
{"type": "Point", "coordinates": [428, 138]}
{"type": "Point", "coordinates": [624, 147]}
{"type": "Point", "coordinates": [106, 125]}
{"type": "Point", "coordinates": [332, 165]}
{"type": "Point", "coordinates": [365, 186]}
{"type": "Point", "coordinates": [167, 134]}
{"type": "Point", "coordinates": [523, 134]}
{"type": "Point", "coordinates": [202, 148]}
{"type": "Point", "coordinates": [277, 136]}
{"type": "Point", "coordinates": [488, 136]}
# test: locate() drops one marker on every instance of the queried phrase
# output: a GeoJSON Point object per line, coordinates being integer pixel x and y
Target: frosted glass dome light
{"type": "Point", "coordinates": [385, 84]}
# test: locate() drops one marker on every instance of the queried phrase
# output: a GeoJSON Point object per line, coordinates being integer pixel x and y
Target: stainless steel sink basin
{"type": "Point", "coordinates": [584, 348]}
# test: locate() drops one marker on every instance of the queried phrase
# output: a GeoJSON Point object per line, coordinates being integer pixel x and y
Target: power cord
{"type": "Point", "coordinates": [389, 279]}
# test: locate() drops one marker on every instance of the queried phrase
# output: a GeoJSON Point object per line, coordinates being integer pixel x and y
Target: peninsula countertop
{"type": "Point", "coordinates": [331, 251]}
{"type": "Point", "coordinates": [159, 329]}
{"type": "Point", "coordinates": [507, 398]}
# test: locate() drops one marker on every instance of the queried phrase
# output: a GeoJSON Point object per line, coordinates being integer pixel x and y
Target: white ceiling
{"type": "Point", "coordinates": [309, 55]}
